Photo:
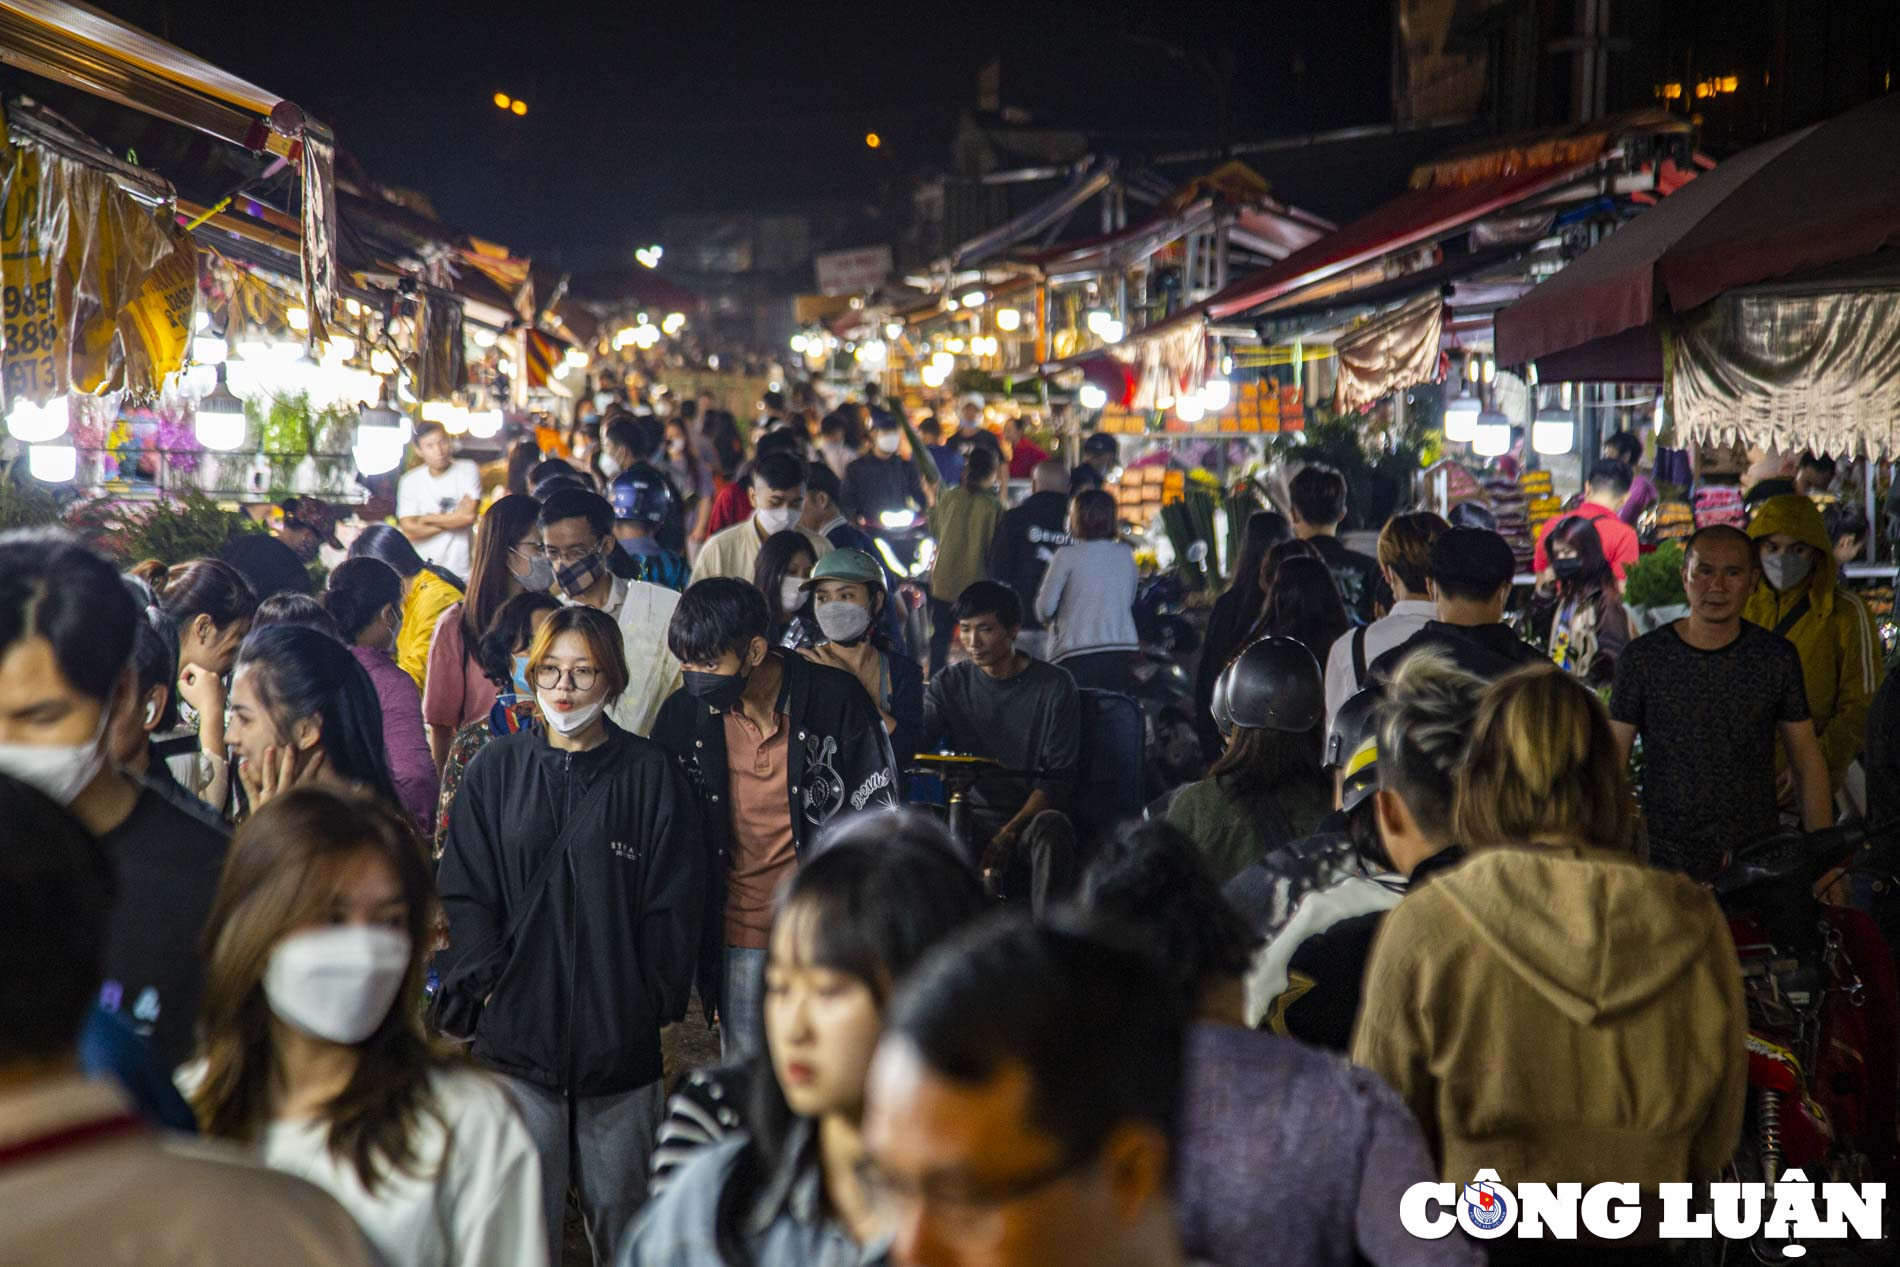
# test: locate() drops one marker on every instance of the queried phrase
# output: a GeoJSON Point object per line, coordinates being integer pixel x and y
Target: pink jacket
{"type": "Point", "coordinates": [411, 767]}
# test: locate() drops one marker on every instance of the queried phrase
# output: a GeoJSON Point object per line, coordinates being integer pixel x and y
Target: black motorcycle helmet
{"type": "Point", "coordinates": [1101, 445]}
{"type": "Point", "coordinates": [1275, 684]}
{"type": "Point", "coordinates": [1353, 724]}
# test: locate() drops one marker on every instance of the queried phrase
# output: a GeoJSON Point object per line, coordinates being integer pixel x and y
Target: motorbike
{"type": "Point", "coordinates": [908, 553]}
{"type": "Point", "coordinates": [1819, 984]}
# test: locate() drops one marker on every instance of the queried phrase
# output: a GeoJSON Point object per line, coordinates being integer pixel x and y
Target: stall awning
{"type": "Point", "coordinates": [1825, 194]}
{"type": "Point", "coordinates": [1087, 182]}
{"type": "Point", "coordinates": [76, 44]}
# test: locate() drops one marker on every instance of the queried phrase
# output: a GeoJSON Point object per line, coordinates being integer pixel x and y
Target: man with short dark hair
{"type": "Point", "coordinates": [1101, 454]}
{"type": "Point", "coordinates": [1318, 500]}
{"type": "Point", "coordinates": [881, 481]}
{"type": "Point", "coordinates": [948, 461]}
{"type": "Point", "coordinates": [437, 503]}
{"type": "Point", "coordinates": [1024, 714]}
{"type": "Point", "coordinates": [1471, 578]}
{"type": "Point", "coordinates": [1626, 447]}
{"type": "Point", "coordinates": [1603, 496]}
{"type": "Point", "coordinates": [1709, 693]}
{"type": "Point", "coordinates": [1029, 537]}
{"type": "Point", "coordinates": [81, 1179]}
{"type": "Point", "coordinates": [577, 536]}
{"type": "Point", "coordinates": [1031, 1077]}
{"type": "Point", "coordinates": [778, 502]}
{"type": "Point", "coordinates": [776, 746]}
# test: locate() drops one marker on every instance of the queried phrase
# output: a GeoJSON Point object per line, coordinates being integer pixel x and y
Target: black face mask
{"type": "Point", "coordinates": [721, 691]}
{"type": "Point", "coordinates": [1567, 570]}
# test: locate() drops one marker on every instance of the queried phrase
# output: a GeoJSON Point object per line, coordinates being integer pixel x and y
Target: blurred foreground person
{"type": "Point", "coordinates": [81, 1180]}
{"type": "Point", "coordinates": [313, 1050]}
{"type": "Point", "coordinates": [1024, 1106]}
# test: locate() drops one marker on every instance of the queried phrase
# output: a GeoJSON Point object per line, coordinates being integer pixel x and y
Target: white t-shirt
{"type": "Point", "coordinates": [483, 1207]}
{"type": "Point", "coordinates": [420, 493]}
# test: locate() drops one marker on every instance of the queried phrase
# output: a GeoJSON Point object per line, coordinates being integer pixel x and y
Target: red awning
{"type": "Point", "coordinates": [1816, 197]}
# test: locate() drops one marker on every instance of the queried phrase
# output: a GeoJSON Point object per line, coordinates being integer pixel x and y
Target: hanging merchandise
{"type": "Point", "coordinates": [319, 218]}
{"type": "Point", "coordinates": [76, 251]}
{"type": "Point", "coordinates": [155, 330]}
{"type": "Point", "coordinates": [444, 369]}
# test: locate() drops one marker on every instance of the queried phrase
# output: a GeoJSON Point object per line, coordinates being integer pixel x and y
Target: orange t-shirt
{"type": "Point", "coordinates": [763, 854]}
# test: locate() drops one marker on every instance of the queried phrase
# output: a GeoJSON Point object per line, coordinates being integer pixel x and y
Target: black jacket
{"type": "Point", "coordinates": [839, 760]}
{"type": "Point", "coordinates": [1029, 537]}
{"type": "Point", "coordinates": [606, 956]}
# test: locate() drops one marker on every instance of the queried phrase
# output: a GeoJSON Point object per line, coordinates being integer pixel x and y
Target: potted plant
{"type": "Point", "coordinates": [1652, 588]}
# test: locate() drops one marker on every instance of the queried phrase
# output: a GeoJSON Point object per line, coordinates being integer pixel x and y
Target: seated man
{"type": "Point", "coordinates": [1023, 1106]}
{"type": "Point", "coordinates": [1024, 714]}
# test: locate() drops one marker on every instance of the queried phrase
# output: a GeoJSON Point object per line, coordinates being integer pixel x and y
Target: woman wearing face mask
{"type": "Point", "coordinates": [507, 561]}
{"type": "Point", "coordinates": [1800, 597]}
{"type": "Point", "coordinates": [1588, 625]}
{"type": "Point", "coordinates": [313, 1050]}
{"type": "Point", "coordinates": [851, 924]}
{"type": "Point", "coordinates": [428, 591]}
{"type": "Point", "coordinates": [365, 599]}
{"type": "Point", "coordinates": [785, 561]}
{"type": "Point", "coordinates": [688, 467]}
{"type": "Point", "coordinates": [575, 882]}
{"type": "Point", "coordinates": [503, 655]}
{"type": "Point", "coordinates": [68, 628]}
{"type": "Point", "coordinates": [847, 595]}
{"type": "Point", "coordinates": [303, 712]}
{"type": "Point", "coordinates": [207, 606]}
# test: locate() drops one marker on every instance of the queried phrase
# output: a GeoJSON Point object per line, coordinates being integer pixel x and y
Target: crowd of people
{"type": "Point", "coordinates": [453, 844]}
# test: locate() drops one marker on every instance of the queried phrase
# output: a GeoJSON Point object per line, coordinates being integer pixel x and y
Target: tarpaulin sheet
{"type": "Point", "coordinates": [1394, 350]}
{"type": "Point", "coordinates": [1791, 372]}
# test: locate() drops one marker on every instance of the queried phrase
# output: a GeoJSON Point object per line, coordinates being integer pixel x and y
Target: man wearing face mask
{"type": "Point", "coordinates": [776, 746]}
{"type": "Point", "coordinates": [577, 533]}
{"type": "Point", "coordinates": [778, 502]}
{"type": "Point", "coordinates": [66, 677]}
{"type": "Point", "coordinates": [1800, 598]}
{"type": "Point", "coordinates": [881, 481]}
{"type": "Point", "coordinates": [850, 600]}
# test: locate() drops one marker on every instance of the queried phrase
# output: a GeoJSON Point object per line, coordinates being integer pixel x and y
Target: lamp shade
{"type": "Point", "coordinates": [1491, 437]}
{"type": "Point", "coordinates": [218, 420]}
{"type": "Point", "coordinates": [53, 463]}
{"type": "Point", "coordinates": [1554, 431]}
{"type": "Point", "coordinates": [1461, 419]}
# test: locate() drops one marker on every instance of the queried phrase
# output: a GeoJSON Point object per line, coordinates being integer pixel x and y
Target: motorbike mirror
{"type": "Point", "coordinates": [1197, 553]}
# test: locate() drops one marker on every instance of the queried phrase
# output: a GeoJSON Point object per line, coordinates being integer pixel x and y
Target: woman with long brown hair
{"type": "Point", "coordinates": [507, 561]}
{"type": "Point", "coordinates": [1585, 627]}
{"type": "Point", "coordinates": [206, 606]}
{"type": "Point", "coordinates": [312, 1048]}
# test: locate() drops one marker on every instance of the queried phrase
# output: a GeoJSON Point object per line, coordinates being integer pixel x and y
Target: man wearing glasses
{"type": "Point", "coordinates": [577, 534]}
{"type": "Point", "coordinates": [1021, 1109]}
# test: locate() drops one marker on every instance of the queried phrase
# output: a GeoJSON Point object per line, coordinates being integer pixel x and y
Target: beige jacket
{"type": "Point", "coordinates": [1561, 1014]}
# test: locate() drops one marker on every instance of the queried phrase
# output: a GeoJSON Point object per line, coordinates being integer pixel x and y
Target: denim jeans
{"type": "Point", "coordinates": [600, 1143]}
{"type": "Point", "coordinates": [742, 1019]}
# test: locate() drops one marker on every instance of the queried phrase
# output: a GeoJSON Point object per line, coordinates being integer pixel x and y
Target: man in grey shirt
{"type": "Point", "coordinates": [1024, 714]}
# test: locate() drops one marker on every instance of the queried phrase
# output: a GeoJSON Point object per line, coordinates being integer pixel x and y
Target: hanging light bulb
{"type": "Point", "coordinates": [1563, 395]}
{"type": "Point", "coordinates": [1490, 370]}
{"type": "Point", "coordinates": [1008, 319]}
{"type": "Point", "coordinates": [1553, 431]}
{"type": "Point", "coordinates": [1491, 437]}
{"type": "Point", "coordinates": [381, 433]}
{"type": "Point", "coordinates": [1098, 319]}
{"type": "Point", "coordinates": [342, 347]}
{"type": "Point", "coordinates": [1217, 394]}
{"type": "Point", "coordinates": [297, 319]}
{"type": "Point", "coordinates": [219, 418]}
{"type": "Point", "coordinates": [1461, 418]}
{"type": "Point", "coordinates": [1112, 331]}
{"type": "Point", "coordinates": [1472, 369]}
{"type": "Point", "coordinates": [208, 349]}
{"type": "Point", "coordinates": [53, 463]}
{"type": "Point", "coordinates": [36, 424]}
{"type": "Point", "coordinates": [1189, 407]}
{"type": "Point", "coordinates": [382, 361]}
{"type": "Point", "coordinates": [486, 424]}
{"type": "Point", "coordinates": [1091, 397]}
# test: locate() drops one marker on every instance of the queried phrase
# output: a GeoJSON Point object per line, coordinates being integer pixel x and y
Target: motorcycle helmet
{"type": "Point", "coordinates": [1223, 716]}
{"type": "Point", "coordinates": [1359, 777]}
{"type": "Point", "coordinates": [1275, 684]}
{"type": "Point", "coordinates": [1353, 724]}
{"type": "Point", "coordinates": [642, 500]}
{"type": "Point", "coordinates": [1101, 445]}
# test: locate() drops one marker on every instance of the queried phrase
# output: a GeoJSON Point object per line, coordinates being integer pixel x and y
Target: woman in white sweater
{"type": "Point", "coordinates": [313, 1050]}
{"type": "Point", "coordinates": [1088, 598]}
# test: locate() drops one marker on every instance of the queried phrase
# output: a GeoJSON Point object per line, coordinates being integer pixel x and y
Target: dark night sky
{"type": "Point", "coordinates": [639, 111]}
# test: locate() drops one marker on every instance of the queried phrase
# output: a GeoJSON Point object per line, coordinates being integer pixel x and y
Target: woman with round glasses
{"type": "Point", "coordinates": [575, 883]}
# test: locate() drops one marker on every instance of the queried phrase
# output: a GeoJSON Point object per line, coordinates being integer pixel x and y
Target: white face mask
{"type": "Point", "coordinates": [777, 518]}
{"type": "Point", "coordinates": [572, 721]}
{"type": "Point", "coordinates": [60, 772]}
{"type": "Point", "coordinates": [337, 983]}
{"type": "Point", "coordinates": [1786, 571]}
{"type": "Point", "coordinates": [791, 593]}
{"type": "Point", "coordinates": [842, 621]}
{"type": "Point", "coordinates": [887, 441]}
{"type": "Point", "coordinates": [609, 465]}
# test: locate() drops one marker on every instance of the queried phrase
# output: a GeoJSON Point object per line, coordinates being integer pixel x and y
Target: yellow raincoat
{"type": "Point", "coordinates": [1840, 653]}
